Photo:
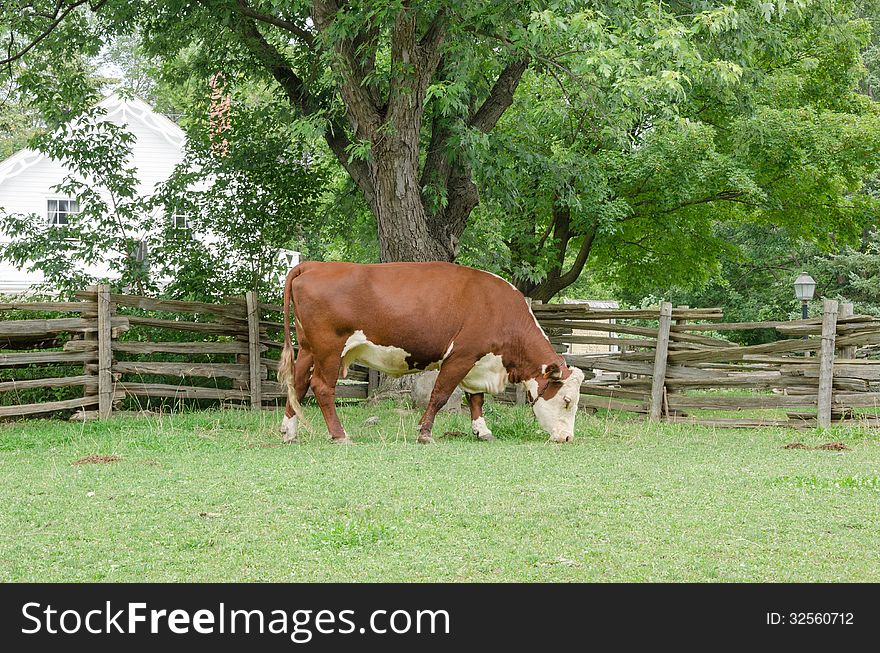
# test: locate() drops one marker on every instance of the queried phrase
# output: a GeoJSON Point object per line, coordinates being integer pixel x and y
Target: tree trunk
{"type": "Point", "coordinates": [557, 280]}
{"type": "Point", "coordinates": [398, 205]}
{"type": "Point", "coordinates": [390, 120]}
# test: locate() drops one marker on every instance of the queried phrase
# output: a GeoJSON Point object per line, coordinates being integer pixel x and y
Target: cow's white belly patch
{"type": "Point", "coordinates": [487, 375]}
{"type": "Point", "coordinates": [391, 360]}
{"type": "Point", "coordinates": [385, 358]}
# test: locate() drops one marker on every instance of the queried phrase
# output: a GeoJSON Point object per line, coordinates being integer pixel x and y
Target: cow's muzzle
{"type": "Point", "coordinates": [562, 437]}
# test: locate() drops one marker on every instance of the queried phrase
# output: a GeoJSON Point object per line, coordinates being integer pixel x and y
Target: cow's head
{"type": "Point", "coordinates": [554, 397]}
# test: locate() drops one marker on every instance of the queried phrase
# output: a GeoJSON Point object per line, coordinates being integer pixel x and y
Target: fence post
{"type": "Point", "coordinates": [372, 382]}
{"type": "Point", "coordinates": [253, 317]}
{"type": "Point", "coordinates": [683, 320]}
{"type": "Point", "coordinates": [658, 379]}
{"type": "Point", "coordinates": [105, 352]}
{"type": "Point", "coordinates": [91, 336]}
{"type": "Point", "coordinates": [826, 363]}
{"type": "Point", "coordinates": [846, 310]}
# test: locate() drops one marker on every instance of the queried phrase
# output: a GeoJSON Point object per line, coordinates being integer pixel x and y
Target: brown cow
{"type": "Point", "coordinates": [400, 318]}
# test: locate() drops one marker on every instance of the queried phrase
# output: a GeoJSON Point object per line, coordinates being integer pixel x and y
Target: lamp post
{"type": "Point", "coordinates": [804, 287]}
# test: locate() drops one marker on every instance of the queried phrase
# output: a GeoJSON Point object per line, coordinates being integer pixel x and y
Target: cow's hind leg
{"type": "Point", "coordinates": [302, 375]}
{"type": "Point", "coordinates": [451, 374]}
{"type": "Point", "coordinates": [324, 386]}
{"type": "Point", "coordinates": [478, 424]}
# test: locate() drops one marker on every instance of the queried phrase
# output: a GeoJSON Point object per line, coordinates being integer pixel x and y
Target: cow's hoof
{"type": "Point", "coordinates": [345, 440]}
{"type": "Point", "coordinates": [288, 429]}
{"type": "Point", "coordinates": [425, 438]}
{"type": "Point", "coordinates": [485, 437]}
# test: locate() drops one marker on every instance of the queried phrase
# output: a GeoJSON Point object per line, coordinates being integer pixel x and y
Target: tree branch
{"type": "Point", "coordinates": [361, 99]}
{"type": "Point", "coordinates": [339, 142]}
{"type": "Point", "coordinates": [435, 33]}
{"type": "Point", "coordinates": [581, 259]}
{"type": "Point", "coordinates": [556, 282]}
{"type": "Point", "coordinates": [562, 231]}
{"type": "Point", "coordinates": [55, 19]}
{"type": "Point", "coordinates": [500, 97]}
{"type": "Point", "coordinates": [268, 55]}
{"type": "Point", "coordinates": [462, 196]}
{"type": "Point", "coordinates": [720, 196]}
{"type": "Point", "coordinates": [437, 165]}
{"type": "Point", "coordinates": [548, 231]}
{"type": "Point", "coordinates": [455, 177]}
{"type": "Point", "coordinates": [300, 98]}
{"type": "Point", "coordinates": [438, 168]}
{"type": "Point", "coordinates": [304, 35]}
{"type": "Point", "coordinates": [413, 63]}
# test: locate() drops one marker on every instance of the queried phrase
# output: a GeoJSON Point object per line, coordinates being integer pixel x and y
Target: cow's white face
{"type": "Point", "coordinates": [556, 413]}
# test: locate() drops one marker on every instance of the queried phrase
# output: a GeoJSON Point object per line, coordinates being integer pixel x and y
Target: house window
{"type": "Point", "coordinates": [139, 251]}
{"type": "Point", "coordinates": [62, 212]}
{"type": "Point", "coordinates": [180, 220]}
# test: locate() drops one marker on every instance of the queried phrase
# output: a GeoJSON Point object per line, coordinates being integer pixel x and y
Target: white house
{"type": "Point", "coordinates": [27, 178]}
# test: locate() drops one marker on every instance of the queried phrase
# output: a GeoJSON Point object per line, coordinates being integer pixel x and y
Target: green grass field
{"type": "Point", "coordinates": [210, 496]}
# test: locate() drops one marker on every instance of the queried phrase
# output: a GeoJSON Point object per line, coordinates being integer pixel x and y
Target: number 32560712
{"type": "Point", "coordinates": [820, 618]}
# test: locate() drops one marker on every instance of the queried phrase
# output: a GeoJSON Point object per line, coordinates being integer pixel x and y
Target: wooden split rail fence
{"type": "Point", "coordinates": [814, 373]}
{"type": "Point", "coordinates": [669, 364]}
{"type": "Point", "coordinates": [113, 341]}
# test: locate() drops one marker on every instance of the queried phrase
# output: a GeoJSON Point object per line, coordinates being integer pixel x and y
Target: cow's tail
{"type": "Point", "coordinates": [288, 359]}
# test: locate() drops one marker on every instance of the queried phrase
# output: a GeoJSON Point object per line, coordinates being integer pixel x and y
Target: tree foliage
{"type": "Point", "coordinates": [746, 114]}
{"type": "Point", "coordinates": [626, 138]}
{"type": "Point", "coordinates": [105, 183]}
{"type": "Point", "coordinates": [214, 228]}
{"type": "Point", "coordinates": [244, 200]}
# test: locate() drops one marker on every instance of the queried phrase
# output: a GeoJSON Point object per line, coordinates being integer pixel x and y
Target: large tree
{"type": "Point", "coordinates": [361, 72]}
{"type": "Point", "coordinates": [640, 117]}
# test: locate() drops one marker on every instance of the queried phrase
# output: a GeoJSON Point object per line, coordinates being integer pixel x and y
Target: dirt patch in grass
{"type": "Point", "coordinates": [96, 459]}
{"type": "Point", "coordinates": [828, 446]}
{"type": "Point", "coordinates": [833, 446]}
{"type": "Point", "coordinates": [454, 434]}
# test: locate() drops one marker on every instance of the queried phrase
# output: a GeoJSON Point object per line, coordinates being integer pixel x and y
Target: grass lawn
{"type": "Point", "coordinates": [209, 496]}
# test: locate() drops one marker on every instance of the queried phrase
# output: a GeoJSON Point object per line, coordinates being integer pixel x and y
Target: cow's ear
{"type": "Point", "coordinates": [552, 371]}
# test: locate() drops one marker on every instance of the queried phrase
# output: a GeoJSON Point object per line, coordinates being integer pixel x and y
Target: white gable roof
{"type": "Point", "coordinates": [119, 111]}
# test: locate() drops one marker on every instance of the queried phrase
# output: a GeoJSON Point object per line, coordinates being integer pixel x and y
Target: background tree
{"type": "Point", "coordinates": [629, 163]}
{"type": "Point", "coordinates": [367, 76]}
{"type": "Point", "coordinates": [242, 199]}
{"type": "Point", "coordinates": [753, 279]}
{"type": "Point", "coordinates": [113, 214]}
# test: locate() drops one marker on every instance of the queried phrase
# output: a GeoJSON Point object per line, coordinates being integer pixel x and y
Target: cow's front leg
{"type": "Point", "coordinates": [454, 369]}
{"type": "Point", "coordinates": [478, 424]}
